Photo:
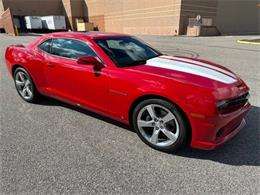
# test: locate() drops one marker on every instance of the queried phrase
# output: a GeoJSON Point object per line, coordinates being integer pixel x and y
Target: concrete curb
{"type": "Point", "coordinates": [247, 42]}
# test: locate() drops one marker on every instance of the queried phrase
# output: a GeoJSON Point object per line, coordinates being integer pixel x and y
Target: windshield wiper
{"type": "Point", "coordinates": [155, 56]}
{"type": "Point", "coordinates": [138, 62]}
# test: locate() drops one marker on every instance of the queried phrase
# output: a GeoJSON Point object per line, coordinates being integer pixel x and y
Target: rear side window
{"type": "Point", "coordinates": [46, 46]}
{"type": "Point", "coordinates": [71, 48]}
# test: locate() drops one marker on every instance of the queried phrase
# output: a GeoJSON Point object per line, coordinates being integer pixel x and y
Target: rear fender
{"type": "Point", "coordinates": [29, 59]}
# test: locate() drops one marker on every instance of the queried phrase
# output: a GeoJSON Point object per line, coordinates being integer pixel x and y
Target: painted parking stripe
{"type": "Point", "coordinates": [191, 69]}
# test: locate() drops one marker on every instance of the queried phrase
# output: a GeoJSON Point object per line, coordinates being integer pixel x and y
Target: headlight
{"type": "Point", "coordinates": [222, 104]}
{"type": "Point", "coordinates": [233, 103]}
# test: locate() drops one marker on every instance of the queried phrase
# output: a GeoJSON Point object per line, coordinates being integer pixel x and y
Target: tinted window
{"type": "Point", "coordinates": [126, 51]}
{"type": "Point", "coordinates": [46, 45]}
{"type": "Point", "coordinates": [71, 48]}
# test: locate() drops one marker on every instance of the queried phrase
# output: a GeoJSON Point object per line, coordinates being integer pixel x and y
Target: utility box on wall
{"type": "Point", "coordinates": [201, 27]}
{"type": "Point", "coordinates": [84, 26]}
{"type": "Point", "coordinates": [80, 25]}
{"type": "Point", "coordinates": [33, 22]}
{"type": "Point", "coordinates": [54, 22]}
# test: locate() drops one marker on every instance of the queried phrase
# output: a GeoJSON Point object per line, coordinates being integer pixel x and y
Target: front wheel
{"type": "Point", "coordinates": [160, 124]}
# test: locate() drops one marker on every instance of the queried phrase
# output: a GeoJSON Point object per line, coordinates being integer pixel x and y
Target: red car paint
{"type": "Point", "coordinates": [114, 91]}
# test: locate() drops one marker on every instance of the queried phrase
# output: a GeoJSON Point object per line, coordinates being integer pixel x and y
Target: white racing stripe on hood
{"type": "Point", "coordinates": [201, 64]}
{"type": "Point", "coordinates": [191, 69]}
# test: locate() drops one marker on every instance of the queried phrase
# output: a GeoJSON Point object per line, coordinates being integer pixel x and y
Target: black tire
{"type": "Point", "coordinates": [179, 116]}
{"type": "Point", "coordinates": [35, 94]}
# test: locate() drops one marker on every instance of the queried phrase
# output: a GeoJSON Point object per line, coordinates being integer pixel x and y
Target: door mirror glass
{"type": "Point", "coordinates": [89, 60]}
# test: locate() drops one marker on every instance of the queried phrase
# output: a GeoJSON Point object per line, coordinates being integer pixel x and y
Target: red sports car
{"type": "Point", "coordinates": [169, 101]}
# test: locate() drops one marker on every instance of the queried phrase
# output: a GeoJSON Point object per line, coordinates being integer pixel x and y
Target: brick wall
{"type": "Point", "coordinates": [7, 22]}
{"type": "Point", "coordinates": [239, 17]}
{"type": "Point", "coordinates": [71, 9]}
{"type": "Point", "coordinates": [66, 6]}
{"type": "Point", "coordinates": [192, 8]}
{"type": "Point", "coordinates": [158, 17]}
{"type": "Point", "coordinates": [96, 13]}
{"type": "Point", "coordinates": [1, 7]}
{"type": "Point", "coordinates": [34, 7]}
{"type": "Point", "coordinates": [1, 24]}
{"type": "Point", "coordinates": [74, 9]}
{"type": "Point", "coordinates": [136, 17]}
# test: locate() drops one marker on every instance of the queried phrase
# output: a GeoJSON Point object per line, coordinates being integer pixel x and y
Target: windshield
{"type": "Point", "coordinates": [127, 51]}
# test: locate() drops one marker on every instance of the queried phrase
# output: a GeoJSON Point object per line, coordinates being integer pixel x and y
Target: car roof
{"type": "Point", "coordinates": [90, 34]}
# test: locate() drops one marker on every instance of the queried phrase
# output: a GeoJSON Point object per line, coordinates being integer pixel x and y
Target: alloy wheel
{"type": "Point", "coordinates": [158, 125]}
{"type": "Point", "coordinates": [24, 85]}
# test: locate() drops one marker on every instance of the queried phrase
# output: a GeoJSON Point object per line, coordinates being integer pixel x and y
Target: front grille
{"type": "Point", "coordinates": [234, 103]}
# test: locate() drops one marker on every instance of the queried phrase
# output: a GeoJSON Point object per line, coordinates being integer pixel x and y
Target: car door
{"type": "Point", "coordinates": [79, 84]}
{"type": "Point", "coordinates": [40, 59]}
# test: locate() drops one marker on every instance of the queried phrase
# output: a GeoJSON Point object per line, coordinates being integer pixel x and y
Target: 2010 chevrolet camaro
{"type": "Point", "coordinates": [169, 101]}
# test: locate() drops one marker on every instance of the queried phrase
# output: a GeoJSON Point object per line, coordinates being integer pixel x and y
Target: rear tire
{"type": "Point", "coordinates": [25, 86]}
{"type": "Point", "coordinates": [160, 124]}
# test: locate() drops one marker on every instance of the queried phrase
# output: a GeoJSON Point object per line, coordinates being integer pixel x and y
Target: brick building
{"type": "Point", "coordinates": [71, 9]}
{"type": "Point", "coordinates": [160, 17]}
{"type": "Point", "coordinates": [169, 17]}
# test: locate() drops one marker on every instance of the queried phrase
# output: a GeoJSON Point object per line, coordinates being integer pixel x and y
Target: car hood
{"type": "Point", "coordinates": [201, 74]}
{"type": "Point", "coordinates": [193, 67]}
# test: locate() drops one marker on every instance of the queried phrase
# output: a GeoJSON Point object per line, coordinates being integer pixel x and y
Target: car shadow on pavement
{"type": "Point", "coordinates": [243, 149]}
{"type": "Point", "coordinates": [53, 102]}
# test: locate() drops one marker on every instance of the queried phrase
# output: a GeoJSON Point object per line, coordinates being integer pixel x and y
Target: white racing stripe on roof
{"type": "Point", "coordinates": [201, 64]}
{"type": "Point", "coordinates": [191, 69]}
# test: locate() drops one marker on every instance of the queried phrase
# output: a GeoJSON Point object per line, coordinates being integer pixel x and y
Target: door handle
{"type": "Point", "coordinates": [51, 65]}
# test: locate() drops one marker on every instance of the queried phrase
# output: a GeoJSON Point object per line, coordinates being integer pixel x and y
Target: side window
{"type": "Point", "coordinates": [46, 45]}
{"type": "Point", "coordinates": [71, 48]}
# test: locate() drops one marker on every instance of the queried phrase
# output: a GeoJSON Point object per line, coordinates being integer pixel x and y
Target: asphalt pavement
{"type": "Point", "coordinates": [55, 148]}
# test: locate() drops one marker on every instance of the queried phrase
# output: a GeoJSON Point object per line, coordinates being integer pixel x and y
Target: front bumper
{"type": "Point", "coordinates": [211, 132]}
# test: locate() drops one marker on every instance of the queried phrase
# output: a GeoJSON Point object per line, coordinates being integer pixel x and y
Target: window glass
{"type": "Point", "coordinates": [126, 51]}
{"type": "Point", "coordinates": [46, 45]}
{"type": "Point", "coordinates": [71, 48]}
{"type": "Point", "coordinates": [119, 44]}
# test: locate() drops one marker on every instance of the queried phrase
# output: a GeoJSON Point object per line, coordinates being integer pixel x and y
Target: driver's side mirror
{"type": "Point", "coordinates": [89, 60]}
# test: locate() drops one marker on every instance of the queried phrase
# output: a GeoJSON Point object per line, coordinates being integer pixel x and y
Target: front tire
{"type": "Point", "coordinates": [160, 124]}
{"type": "Point", "coordinates": [25, 86]}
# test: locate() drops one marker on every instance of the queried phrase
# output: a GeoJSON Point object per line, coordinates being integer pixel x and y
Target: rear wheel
{"type": "Point", "coordinates": [160, 124]}
{"type": "Point", "coordinates": [25, 86]}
